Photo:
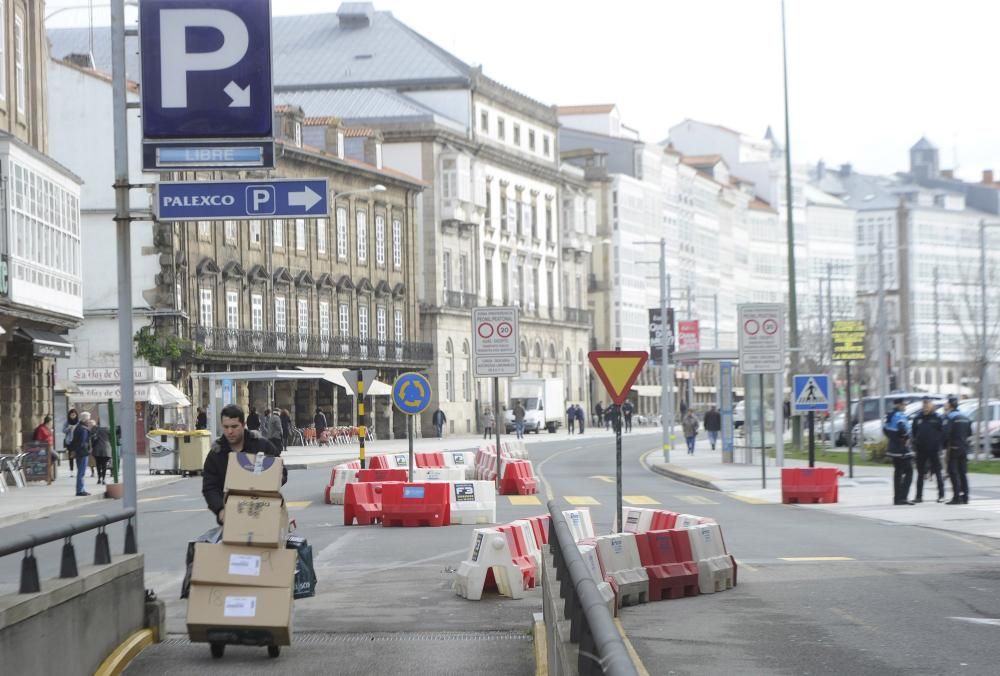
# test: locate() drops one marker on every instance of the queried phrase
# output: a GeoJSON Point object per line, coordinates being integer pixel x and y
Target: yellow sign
{"type": "Point", "coordinates": [848, 340]}
{"type": "Point", "coordinates": [618, 371]}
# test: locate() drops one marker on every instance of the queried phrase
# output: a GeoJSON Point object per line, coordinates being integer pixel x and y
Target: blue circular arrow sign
{"type": "Point", "coordinates": [411, 393]}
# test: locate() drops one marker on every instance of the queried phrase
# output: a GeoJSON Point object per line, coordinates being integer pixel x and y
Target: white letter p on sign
{"type": "Point", "coordinates": [175, 60]}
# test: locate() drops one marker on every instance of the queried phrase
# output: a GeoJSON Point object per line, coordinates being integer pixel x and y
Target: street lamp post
{"type": "Point", "coordinates": [666, 369]}
{"type": "Point", "coordinates": [793, 314]}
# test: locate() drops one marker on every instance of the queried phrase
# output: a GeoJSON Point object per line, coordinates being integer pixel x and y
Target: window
{"type": "Point", "coordinates": [545, 145]}
{"type": "Point", "coordinates": [321, 236]}
{"type": "Point", "coordinates": [205, 308]}
{"type": "Point", "coordinates": [229, 227]}
{"type": "Point", "coordinates": [300, 234]}
{"type": "Point", "coordinates": [449, 374]}
{"type": "Point", "coordinates": [505, 282]}
{"type": "Point", "coordinates": [397, 326]}
{"type": "Point", "coordinates": [344, 319]}
{"type": "Point", "coordinates": [380, 240]}
{"type": "Point", "coordinates": [303, 307]}
{"type": "Point", "coordinates": [446, 271]}
{"type": "Point", "coordinates": [550, 290]}
{"type": "Point", "coordinates": [488, 270]}
{"type": "Point", "coordinates": [548, 221]}
{"type": "Point", "coordinates": [515, 282]}
{"type": "Point", "coordinates": [397, 245]}
{"type": "Point", "coordinates": [280, 321]}
{"type": "Point", "coordinates": [363, 321]}
{"type": "Point", "coordinates": [232, 310]}
{"type": "Point", "coordinates": [503, 210]}
{"type": "Point", "coordinates": [463, 272]}
{"type": "Point", "coordinates": [255, 233]}
{"type": "Point", "coordinates": [535, 288]}
{"type": "Point", "coordinates": [519, 215]}
{"type": "Point", "coordinates": [484, 122]}
{"type": "Point", "coordinates": [488, 218]}
{"type": "Point", "coordinates": [466, 372]}
{"type": "Point", "coordinates": [533, 217]}
{"type": "Point", "coordinates": [381, 330]}
{"type": "Point", "coordinates": [531, 139]}
{"type": "Point", "coordinates": [257, 312]}
{"type": "Point", "coordinates": [517, 134]}
{"type": "Point", "coordinates": [3, 51]}
{"type": "Point", "coordinates": [297, 134]}
{"type": "Point", "coordinates": [362, 224]}
{"type": "Point", "coordinates": [279, 233]}
{"type": "Point", "coordinates": [449, 178]}
{"type": "Point", "coordinates": [22, 92]}
{"type": "Point", "coordinates": [342, 234]}
{"type": "Point", "coordinates": [205, 230]}
{"type": "Point", "coordinates": [324, 319]}
{"type": "Point", "coordinates": [501, 132]}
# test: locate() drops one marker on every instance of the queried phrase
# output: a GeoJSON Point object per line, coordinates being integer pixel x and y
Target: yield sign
{"type": "Point", "coordinates": [618, 370]}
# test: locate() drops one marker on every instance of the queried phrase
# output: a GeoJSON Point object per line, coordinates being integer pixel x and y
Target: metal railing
{"type": "Point", "coordinates": [578, 316]}
{"type": "Point", "coordinates": [460, 299]}
{"type": "Point", "coordinates": [30, 582]}
{"type": "Point", "coordinates": [239, 341]}
{"type": "Point", "coordinates": [592, 627]}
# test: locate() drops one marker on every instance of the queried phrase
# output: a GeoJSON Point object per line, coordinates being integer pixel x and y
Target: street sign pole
{"type": "Point", "coordinates": [362, 431]}
{"type": "Point", "coordinates": [405, 402]}
{"type": "Point", "coordinates": [409, 439]}
{"type": "Point", "coordinates": [619, 524]}
{"type": "Point", "coordinates": [763, 437]}
{"type": "Point", "coordinates": [812, 439]}
{"type": "Point", "coordinates": [497, 422]}
{"type": "Point", "coordinates": [848, 428]}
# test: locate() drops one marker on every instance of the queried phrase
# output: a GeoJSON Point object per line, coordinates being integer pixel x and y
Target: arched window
{"type": "Point", "coordinates": [449, 373]}
{"type": "Point", "coordinates": [466, 373]}
{"type": "Point", "coordinates": [569, 374]}
{"type": "Point", "coordinates": [583, 375]}
{"type": "Point", "coordinates": [524, 350]}
{"type": "Point", "coordinates": [950, 377]}
{"type": "Point", "coordinates": [538, 350]}
{"type": "Point", "coordinates": [929, 377]}
{"type": "Point", "coordinates": [916, 377]}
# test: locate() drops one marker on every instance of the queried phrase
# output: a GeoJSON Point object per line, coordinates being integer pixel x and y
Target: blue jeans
{"type": "Point", "coordinates": [690, 442]}
{"type": "Point", "coordinates": [519, 428]}
{"type": "Point", "coordinates": [81, 472]}
{"type": "Point", "coordinates": [713, 436]}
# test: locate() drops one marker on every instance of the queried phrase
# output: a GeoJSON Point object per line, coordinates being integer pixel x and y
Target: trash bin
{"type": "Point", "coordinates": [163, 457]}
{"type": "Point", "coordinates": [193, 449]}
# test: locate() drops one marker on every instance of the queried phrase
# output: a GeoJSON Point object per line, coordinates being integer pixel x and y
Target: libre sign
{"type": "Point", "coordinates": [848, 340]}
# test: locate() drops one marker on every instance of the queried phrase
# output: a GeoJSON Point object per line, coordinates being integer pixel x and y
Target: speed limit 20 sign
{"type": "Point", "coordinates": [495, 349]}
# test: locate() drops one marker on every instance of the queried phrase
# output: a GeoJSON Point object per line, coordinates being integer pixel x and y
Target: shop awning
{"type": "Point", "coordinates": [648, 390]}
{"type": "Point", "coordinates": [45, 343]}
{"type": "Point", "coordinates": [337, 377]}
{"type": "Point", "coordinates": [158, 394]}
{"type": "Point", "coordinates": [165, 394]}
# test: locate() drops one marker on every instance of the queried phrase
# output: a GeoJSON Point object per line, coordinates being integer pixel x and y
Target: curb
{"type": "Point", "coordinates": [53, 509]}
{"type": "Point", "coordinates": [684, 476]}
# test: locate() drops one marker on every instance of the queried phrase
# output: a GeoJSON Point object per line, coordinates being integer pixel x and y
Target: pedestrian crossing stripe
{"type": "Point", "coordinates": [524, 500]}
{"type": "Point", "coordinates": [639, 500]}
{"type": "Point", "coordinates": [697, 500]}
{"type": "Point", "coordinates": [580, 500]}
{"type": "Point", "coordinates": [298, 504]}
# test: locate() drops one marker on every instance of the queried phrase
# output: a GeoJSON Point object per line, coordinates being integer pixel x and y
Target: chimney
{"type": "Point", "coordinates": [845, 170]}
{"type": "Point", "coordinates": [355, 14]}
{"type": "Point", "coordinates": [333, 139]}
{"type": "Point", "coordinates": [948, 174]}
{"type": "Point", "coordinates": [988, 176]}
{"type": "Point", "coordinates": [373, 149]}
{"type": "Point", "coordinates": [288, 121]}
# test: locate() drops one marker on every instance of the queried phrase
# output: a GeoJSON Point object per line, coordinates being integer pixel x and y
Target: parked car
{"type": "Point", "coordinates": [970, 409]}
{"type": "Point", "coordinates": [834, 429]}
{"type": "Point", "coordinates": [739, 413]}
{"type": "Point", "coordinates": [872, 431]}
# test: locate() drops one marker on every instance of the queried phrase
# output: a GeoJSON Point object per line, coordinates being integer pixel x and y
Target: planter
{"type": "Point", "coordinates": [114, 491]}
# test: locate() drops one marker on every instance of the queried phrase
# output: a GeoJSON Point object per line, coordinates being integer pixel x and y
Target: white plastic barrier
{"type": "Point", "coordinates": [464, 459]}
{"type": "Point", "coordinates": [619, 555]}
{"type": "Point", "coordinates": [579, 523]}
{"type": "Point", "coordinates": [528, 535]}
{"type": "Point", "coordinates": [637, 519]}
{"type": "Point", "coordinates": [589, 554]}
{"type": "Point", "coordinates": [486, 464]}
{"type": "Point", "coordinates": [400, 461]}
{"type": "Point", "coordinates": [473, 502]}
{"type": "Point", "coordinates": [436, 474]}
{"type": "Point", "coordinates": [489, 550]}
{"type": "Point", "coordinates": [715, 567]}
{"type": "Point", "coordinates": [688, 521]}
{"type": "Point", "coordinates": [341, 477]}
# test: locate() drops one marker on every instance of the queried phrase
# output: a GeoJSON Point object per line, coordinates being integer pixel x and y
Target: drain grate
{"type": "Point", "coordinates": [322, 638]}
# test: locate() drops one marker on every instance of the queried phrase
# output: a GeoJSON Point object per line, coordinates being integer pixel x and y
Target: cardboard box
{"type": "Point", "coordinates": [255, 521]}
{"type": "Point", "coordinates": [241, 479]}
{"type": "Point", "coordinates": [234, 614]}
{"type": "Point", "coordinates": [243, 566]}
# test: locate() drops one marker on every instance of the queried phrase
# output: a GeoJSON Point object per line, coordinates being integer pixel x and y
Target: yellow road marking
{"type": "Point", "coordinates": [601, 477]}
{"type": "Point", "coordinates": [697, 500]}
{"type": "Point", "coordinates": [162, 497]}
{"type": "Point", "coordinates": [524, 500]}
{"type": "Point", "coordinates": [580, 500]}
{"type": "Point", "coordinates": [746, 566]}
{"type": "Point", "coordinates": [747, 499]}
{"type": "Point", "coordinates": [815, 558]}
{"type": "Point", "coordinates": [640, 668]}
{"type": "Point", "coordinates": [300, 504]}
{"type": "Point", "coordinates": [639, 500]}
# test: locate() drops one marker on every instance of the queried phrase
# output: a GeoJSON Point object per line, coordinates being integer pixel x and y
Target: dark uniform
{"type": "Point", "coordinates": [897, 431]}
{"type": "Point", "coordinates": [957, 430]}
{"type": "Point", "coordinates": [928, 440]}
{"type": "Point", "coordinates": [213, 476]}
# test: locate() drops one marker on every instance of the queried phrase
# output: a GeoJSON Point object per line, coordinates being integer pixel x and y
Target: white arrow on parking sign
{"type": "Point", "coordinates": [307, 197]}
{"type": "Point", "coordinates": [240, 95]}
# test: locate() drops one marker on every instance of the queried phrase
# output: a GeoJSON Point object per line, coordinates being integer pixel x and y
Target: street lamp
{"type": "Point", "coordinates": [666, 369]}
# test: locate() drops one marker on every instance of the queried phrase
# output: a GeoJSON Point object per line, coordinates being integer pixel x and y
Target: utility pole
{"type": "Point", "coordinates": [883, 386]}
{"type": "Point", "coordinates": [670, 372]}
{"type": "Point", "coordinates": [828, 336]}
{"type": "Point", "coordinates": [691, 367]}
{"type": "Point", "coordinates": [822, 332]}
{"type": "Point", "coordinates": [666, 386]}
{"type": "Point", "coordinates": [123, 226]}
{"type": "Point", "coordinates": [793, 313]}
{"type": "Point", "coordinates": [937, 334]}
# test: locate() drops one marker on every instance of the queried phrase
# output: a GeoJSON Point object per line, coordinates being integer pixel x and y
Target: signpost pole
{"type": "Point", "coordinates": [498, 419]}
{"type": "Point", "coordinates": [763, 436]}
{"type": "Point", "coordinates": [619, 525]}
{"type": "Point", "coordinates": [664, 356]}
{"type": "Point", "coordinates": [409, 438]}
{"type": "Point", "coordinates": [812, 439]}
{"type": "Point", "coordinates": [362, 430]}
{"type": "Point", "coordinates": [848, 428]}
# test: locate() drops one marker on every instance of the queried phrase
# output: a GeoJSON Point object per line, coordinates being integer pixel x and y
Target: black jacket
{"type": "Point", "coordinates": [712, 421]}
{"type": "Point", "coordinates": [928, 433]}
{"type": "Point", "coordinates": [253, 422]}
{"type": "Point", "coordinates": [213, 477]}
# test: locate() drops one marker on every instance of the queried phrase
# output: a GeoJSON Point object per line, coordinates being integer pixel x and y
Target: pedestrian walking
{"type": "Point", "coordinates": [271, 429]}
{"type": "Point", "coordinates": [100, 448]}
{"type": "Point", "coordinates": [599, 413]}
{"type": "Point", "coordinates": [43, 433]}
{"type": "Point", "coordinates": [489, 423]}
{"type": "Point", "coordinates": [627, 410]}
{"type": "Point", "coordinates": [439, 419]}
{"type": "Point", "coordinates": [201, 422]}
{"type": "Point", "coordinates": [689, 425]}
{"type": "Point", "coordinates": [579, 415]}
{"type": "Point", "coordinates": [958, 429]}
{"type": "Point", "coordinates": [928, 440]}
{"type": "Point", "coordinates": [897, 431]}
{"type": "Point", "coordinates": [570, 417]}
{"type": "Point", "coordinates": [80, 449]}
{"type": "Point", "coordinates": [253, 420]}
{"type": "Point", "coordinates": [286, 428]}
{"type": "Point", "coordinates": [713, 425]}
{"type": "Point", "coordinates": [72, 420]}
{"type": "Point", "coordinates": [519, 419]}
{"type": "Point", "coordinates": [319, 422]}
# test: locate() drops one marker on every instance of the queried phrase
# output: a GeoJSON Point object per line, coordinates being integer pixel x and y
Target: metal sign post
{"type": "Point", "coordinates": [496, 337]}
{"type": "Point", "coordinates": [761, 332]}
{"type": "Point", "coordinates": [497, 423]}
{"type": "Point", "coordinates": [811, 394]}
{"type": "Point", "coordinates": [411, 394]}
{"type": "Point", "coordinates": [763, 437]}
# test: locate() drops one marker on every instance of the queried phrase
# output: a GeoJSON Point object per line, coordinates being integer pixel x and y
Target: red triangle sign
{"type": "Point", "coordinates": [618, 371]}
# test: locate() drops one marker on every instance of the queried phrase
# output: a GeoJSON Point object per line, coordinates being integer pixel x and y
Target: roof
{"type": "Point", "coordinates": [359, 132]}
{"type": "Point", "coordinates": [701, 160]}
{"type": "Point", "coordinates": [762, 205]}
{"type": "Point", "coordinates": [593, 109]}
{"type": "Point", "coordinates": [366, 104]}
{"type": "Point", "coordinates": [131, 85]}
{"type": "Point", "coordinates": [923, 144]}
{"type": "Point", "coordinates": [323, 121]}
{"type": "Point", "coordinates": [329, 157]}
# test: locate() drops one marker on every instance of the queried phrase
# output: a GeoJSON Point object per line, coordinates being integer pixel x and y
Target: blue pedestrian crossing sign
{"type": "Point", "coordinates": [811, 393]}
{"type": "Point", "coordinates": [411, 393]}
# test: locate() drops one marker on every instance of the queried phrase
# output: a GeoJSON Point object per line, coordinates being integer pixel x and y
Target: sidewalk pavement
{"type": "Point", "coordinates": [39, 499]}
{"type": "Point", "coordinates": [868, 494]}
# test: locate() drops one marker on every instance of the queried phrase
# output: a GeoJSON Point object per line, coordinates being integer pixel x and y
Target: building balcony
{"type": "Point", "coordinates": [579, 316]}
{"type": "Point", "coordinates": [460, 299]}
{"type": "Point", "coordinates": [461, 213]}
{"type": "Point", "coordinates": [271, 344]}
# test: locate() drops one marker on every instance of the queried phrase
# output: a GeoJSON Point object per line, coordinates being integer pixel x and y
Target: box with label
{"type": "Point", "coordinates": [255, 521]}
{"type": "Point", "coordinates": [246, 566]}
{"type": "Point", "coordinates": [244, 477]}
{"type": "Point", "coordinates": [234, 614]}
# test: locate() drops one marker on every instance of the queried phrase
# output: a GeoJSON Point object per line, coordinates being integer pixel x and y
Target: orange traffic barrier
{"type": "Point", "coordinates": [666, 556]}
{"type": "Point", "coordinates": [416, 504]}
{"type": "Point", "coordinates": [809, 484]}
{"type": "Point", "coordinates": [518, 478]}
{"type": "Point", "coordinates": [363, 502]}
{"type": "Point", "coordinates": [432, 460]}
{"type": "Point", "coordinates": [381, 475]}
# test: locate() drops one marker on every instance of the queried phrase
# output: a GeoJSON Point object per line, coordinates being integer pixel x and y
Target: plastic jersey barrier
{"type": "Point", "coordinates": [521, 556]}
{"type": "Point", "coordinates": [666, 556]}
{"type": "Point", "coordinates": [579, 523]}
{"type": "Point", "coordinates": [619, 556]}
{"type": "Point", "coordinates": [363, 502]}
{"type": "Point", "coordinates": [715, 566]}
{"type": "Point", "coordinates": [473, 502]}
{"type": "Point", "coordinates": [339, 479]}
{"type": "Point", "coordinates": [518, 478]}
{"type": "Point", "coordinates": [810, 485]}
{"type": "Point", "coordinates": [589, 554]}
{"type": "Point", "coordinates": [381, 475]}
{"type": "Point", "coordinates": [423, 474]}
{"type": "Point", "coordinates": [489, 556]}
{"type": "Point", "coordinates": [416, 504]}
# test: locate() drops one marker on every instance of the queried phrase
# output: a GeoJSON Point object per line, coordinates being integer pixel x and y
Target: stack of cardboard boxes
{"type": "Point", "coordinates": [241, 588]}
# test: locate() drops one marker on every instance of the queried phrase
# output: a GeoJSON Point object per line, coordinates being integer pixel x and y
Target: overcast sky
{"type": "Point", "coordinates": [867, 77]}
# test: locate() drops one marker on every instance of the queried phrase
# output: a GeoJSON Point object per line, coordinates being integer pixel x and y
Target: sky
{"type": "Point", "coordinates": [867, 78]}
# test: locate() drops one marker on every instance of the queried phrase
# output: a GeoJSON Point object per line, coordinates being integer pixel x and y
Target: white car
{"type": "Point", "coordinates": [739, 413]}
{"type": "Point", "coordinates": [872, 431]}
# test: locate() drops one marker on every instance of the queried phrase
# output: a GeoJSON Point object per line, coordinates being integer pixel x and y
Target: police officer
{"type": "Point", "coordinates": [897, 431]}
{"type": "Point", "coordinates": [958, 429]}
{"type": "Point", "coordinates": [928, 440]}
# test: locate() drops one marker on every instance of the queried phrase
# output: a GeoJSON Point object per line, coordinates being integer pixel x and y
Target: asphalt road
{"type": "Point", "coordinates": [818, 593]}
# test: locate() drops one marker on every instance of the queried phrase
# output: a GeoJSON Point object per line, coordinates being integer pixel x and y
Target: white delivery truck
{"type": "Point", "coordinates": [544, 402]}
